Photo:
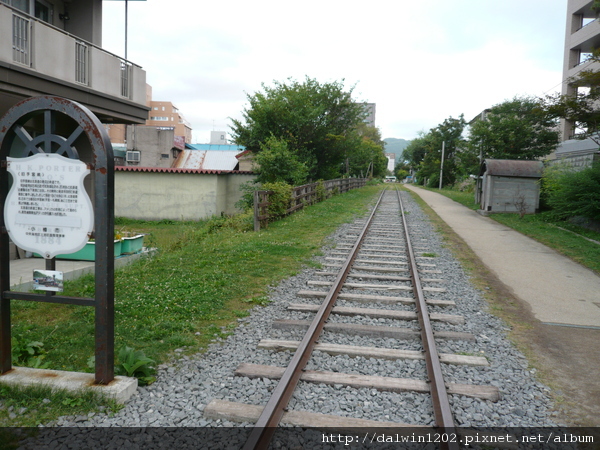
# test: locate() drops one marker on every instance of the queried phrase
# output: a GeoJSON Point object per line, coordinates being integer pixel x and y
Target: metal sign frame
{"type": "Point", "coordinates": [50, 111]}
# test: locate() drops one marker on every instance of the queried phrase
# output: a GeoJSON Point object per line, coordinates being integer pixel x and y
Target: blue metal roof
{"type": "Point", "coordinates": [217, 147]}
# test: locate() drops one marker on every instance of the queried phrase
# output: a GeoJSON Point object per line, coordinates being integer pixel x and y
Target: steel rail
{"type": "Point", "coordinates": [265, 426]}
{"type": "Point", "coordinates": [441, 404]}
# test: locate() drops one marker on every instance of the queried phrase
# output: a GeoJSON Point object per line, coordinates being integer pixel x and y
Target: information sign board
{"type": "Point", "coordinates": [47, 210]}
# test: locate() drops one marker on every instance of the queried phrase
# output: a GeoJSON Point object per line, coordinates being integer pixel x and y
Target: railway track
{"type": "Point", "coordinates": [381, 271]}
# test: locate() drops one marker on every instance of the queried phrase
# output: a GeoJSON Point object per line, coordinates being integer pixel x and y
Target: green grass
{"type": "Point", "coordinates": [204, 277]}
{"type": "Point", "coordinates": [543, 228]}
{"type": "Point", "coordinates": [32, 406]}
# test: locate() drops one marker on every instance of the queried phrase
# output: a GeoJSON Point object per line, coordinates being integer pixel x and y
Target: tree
{"type": "Point", "coordinates": [276, 163]}
{"type": "Point", "coordinates": [416, 150]}
{"type": "Point", "coordinates": [449, 133]}
{"type": "Point", "coordinates": [365, 154]}
{"type": "Point", "coordinates": [315, 120]}
{"type": "Point", "coordinates": [402, 170]}
{"type": "Point", "coordinates": [520, 128]}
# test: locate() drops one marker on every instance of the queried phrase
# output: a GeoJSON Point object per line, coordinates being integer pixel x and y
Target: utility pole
{"type": "Point", "coordinates": [442, 163]}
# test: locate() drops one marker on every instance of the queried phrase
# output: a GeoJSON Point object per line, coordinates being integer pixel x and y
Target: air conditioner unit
{"type": "Point", "coordinates": [132, 156]}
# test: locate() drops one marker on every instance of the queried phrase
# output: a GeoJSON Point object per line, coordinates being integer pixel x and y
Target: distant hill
{"type": "Point", "coordinates": [397, 146]}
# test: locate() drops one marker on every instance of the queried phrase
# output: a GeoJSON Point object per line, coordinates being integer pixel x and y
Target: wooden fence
{"type": "Point", "coordinates": [302, 196]}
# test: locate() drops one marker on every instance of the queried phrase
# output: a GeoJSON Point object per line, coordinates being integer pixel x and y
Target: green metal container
{"type": "Point", "coordinates": [133, 244]}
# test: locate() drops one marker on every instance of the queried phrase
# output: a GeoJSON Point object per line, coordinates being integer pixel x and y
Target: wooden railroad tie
{"type": "Point", "coordinates": [379, 313]}
{"type": "Point", "coordinates": [372, 330]}
{"type": "Point", "coordinates": [387, 384]}
{"type": "Point", "coordinates": [379, 287]}
{"type": "Point", "coordinates": [362, 298]}
{"type": "Point", "coordinates": [373, 352]}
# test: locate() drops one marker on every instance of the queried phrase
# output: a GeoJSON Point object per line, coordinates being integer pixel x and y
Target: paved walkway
{"type": "Point", "coordinates": [559, 291]}
{"type": "Point", "coordinates": [21, 270]}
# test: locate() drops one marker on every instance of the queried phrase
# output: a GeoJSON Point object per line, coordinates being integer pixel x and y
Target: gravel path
{"type": "Point", "coordinates": [185, 386]}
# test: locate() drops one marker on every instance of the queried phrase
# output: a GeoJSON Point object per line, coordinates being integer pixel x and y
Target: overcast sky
{"type": "Point", "coordinates": [419, 61]}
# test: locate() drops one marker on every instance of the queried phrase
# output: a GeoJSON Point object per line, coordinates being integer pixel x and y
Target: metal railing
{"type": "Point", "coordinates": [21, 40]}
{"type": "Point", "coordinates": [81, 63]}
{"type": "Point", "coordinates": [125, 79]}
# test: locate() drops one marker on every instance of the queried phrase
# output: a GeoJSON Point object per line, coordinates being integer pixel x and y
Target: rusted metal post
{"type": "Point", "coordinates": [104, 225]}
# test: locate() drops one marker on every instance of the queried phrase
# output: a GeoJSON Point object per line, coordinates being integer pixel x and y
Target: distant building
{"type": "Point", "coordinates": [152, 146]}
{"type": "Point", "coordinates": [166, 128]}
{"type": "Point", "coordinates": [581, 38]}
{"type": "Point", "coordinates": [391, 161]}
{"type": "Point", "coordinates": [370, 110]}
{"type": "Point", "coordinates": [246, 161]}
{"type": "Point", "coordinates": [218, 137]}
{"type": "Point", "coordinates": [165, 114]}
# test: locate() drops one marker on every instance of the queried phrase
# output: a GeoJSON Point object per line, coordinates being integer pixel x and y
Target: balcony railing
{"type": "Point", "coordinates": [81, 63]}
{"type": "Point", "coordinates": [21, 42]}
{"type": "Point", "coordinates": [43, 48]}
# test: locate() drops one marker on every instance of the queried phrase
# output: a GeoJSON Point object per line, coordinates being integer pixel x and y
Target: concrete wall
{"type": "Point", "coordinates": [510, 194]}
{"type": "Point", "coordinates": [176, 196]}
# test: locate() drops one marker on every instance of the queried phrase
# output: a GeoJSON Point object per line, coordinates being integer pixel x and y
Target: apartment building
{"type": "Point", "coordinates": [54, 47]}
{"type": "Point", "coordinates": [582, 36]}
{"type": "Point", "coordinates": [165, 114]}
{"type": "Point", "coordinates": [157, 143]}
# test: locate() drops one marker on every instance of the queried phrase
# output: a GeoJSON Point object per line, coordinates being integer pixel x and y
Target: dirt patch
{"type": "Point", "coordinates": [566, 358]}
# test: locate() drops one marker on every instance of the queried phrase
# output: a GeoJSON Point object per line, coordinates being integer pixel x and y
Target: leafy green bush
{"type": "Point", "coordinates": [573, 193]}
{"type": "Point", "coordinates": [277, 163]}
{"type": "Point", "coordinates": [320, 190]}
{"type": "Point", "coordinates": [279, 199]}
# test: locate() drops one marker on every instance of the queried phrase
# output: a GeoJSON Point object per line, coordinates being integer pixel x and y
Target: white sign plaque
{"type": "Point", "coordinates": [47, 209]}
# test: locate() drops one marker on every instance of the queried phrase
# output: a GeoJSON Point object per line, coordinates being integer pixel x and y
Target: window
{"type": "Point", "coordinates": [164, 156]}
{"type": "Point", "coordinates": [22, 5]}
{"type": "Point", "coordinates": [43, 10]}
{"type": "Point", "coordinates": [163, 119]}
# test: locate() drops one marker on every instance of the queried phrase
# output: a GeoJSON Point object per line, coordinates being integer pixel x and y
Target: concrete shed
{"type": "Point", "coordinates": [507, 185]}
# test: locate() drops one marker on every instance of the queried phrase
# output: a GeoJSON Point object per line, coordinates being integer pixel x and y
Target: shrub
{"type": "Point", "coordinates": [279, 199]}
{"type": "Point", "coordinates": [572, 194]}
{"type": "Point", "coordinates": [320, 190]}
